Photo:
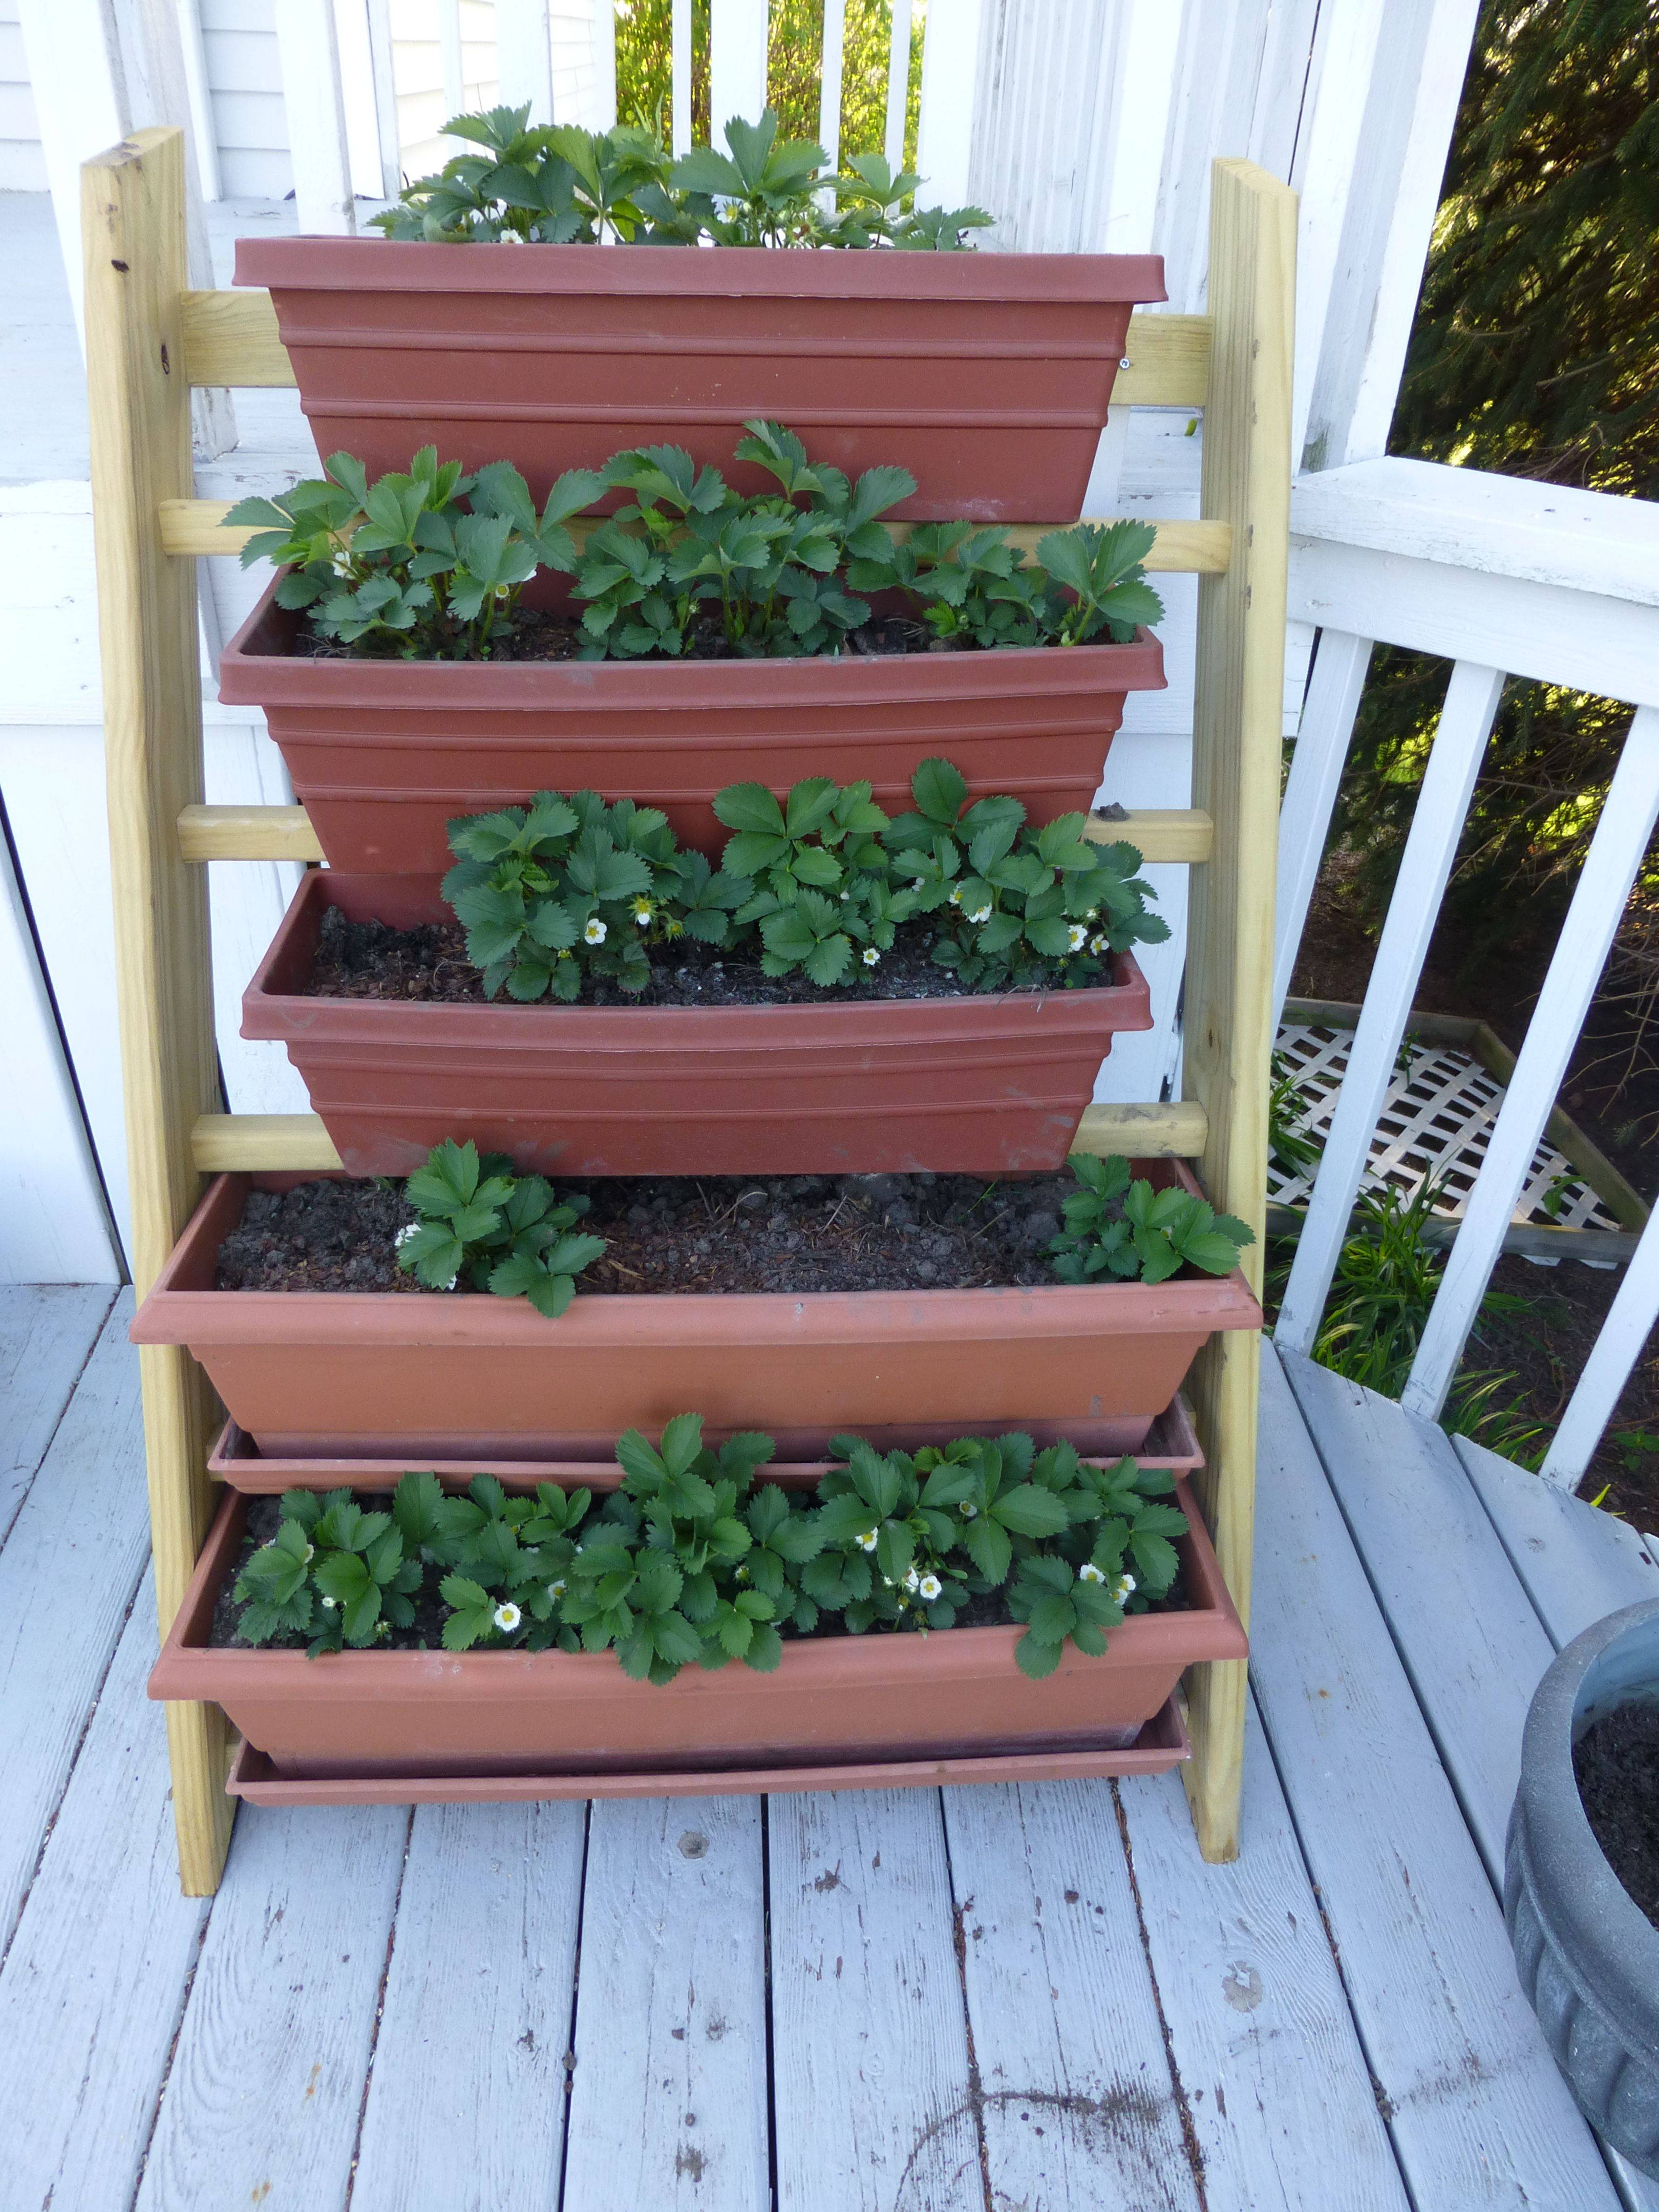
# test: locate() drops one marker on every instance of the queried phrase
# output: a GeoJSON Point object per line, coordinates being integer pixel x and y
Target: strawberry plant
{"type": "Point", "coordinates": [561, 186]}
{"type": "Point", "coordinates": [506, 1233]}
{"type": "Point", "coordinates": [971, 585]}
{"type": "Point", "coordinates": [401, 566]}
{"type": "Point", "coordinates": [1118, 1225]}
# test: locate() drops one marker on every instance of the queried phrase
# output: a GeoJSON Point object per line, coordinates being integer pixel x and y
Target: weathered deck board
{"type": "Point", "coordinates": [466, 2099]}
{"type": "Point", "coordinates": [45, 1337]}
{"type": "Point", "coordinates": [1256, 2009]}
{"type": "Point", "coordinates": [1427, 1541]}
{"type": "Point", "coordinates": [1577, 1565]}
{"type": "Point", "coordinates": [668, 2100]}
{"type": "Point", "coordinates": [1478, 2114]}
{"type": "Point", "coordinates": [262, 2103]}
{"type": "Point", "coordinates": [100, 1961]}
{"type": "Point", "coordinates": [1075, 2097]}
{"type": "Point", "coordinates": [68, 1572]}
{"type": "Point", "coordinates": [871, 2092]}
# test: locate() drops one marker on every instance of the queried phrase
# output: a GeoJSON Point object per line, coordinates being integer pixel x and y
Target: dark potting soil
{"type": "Point", "coordinates": [369, 960]}
{"type": "Point", "coordinates": [707, 1233]}
{"type": "Point", "coordinates": [533, 634]}
{"type": "Point", "coordinates": [1616, 1764]}
{"type": "Point", "coordinates": [425, 1633]}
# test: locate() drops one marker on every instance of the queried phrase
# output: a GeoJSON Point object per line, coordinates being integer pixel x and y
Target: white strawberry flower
{"type": "Point", "coordinates": [643, 911]}
{"type": "Point", "coordinates": [1076, 936]}
{"type": "Point", "coordinates": [409, 1229]}
{"type": "Point", "coordinates": [1125, 1589]}
{"type": "Point", "coordinates": [979, 913]}
{"type": "Point", "coordinates": [1089, 1572]}
{"type": "Point", "coordinates": [330, 1603]}
{"type": "Point", "coordinates": [930, 1587]}
{"type": "Point", "coordinates": [1099, 943]}
{"type": "Point", "coordinates": [913, 1581]}
{"type": "Point", "coordinates": [956, 896]}
{"type": "Point", "coordinates": [866, 1541]}
{"type": "Point", "coordinates": [969, 1511]}
{"type": "Point", "coordinates": [556, 1590]}
{"type": "Point", "coordinates": [871, 956]}
{"type": "Point", "coordinates": [514, 238]}
{"type": "Point", "coordinates": [595, 932]}
{"type": "Point", "coordinates": [507, 1618]}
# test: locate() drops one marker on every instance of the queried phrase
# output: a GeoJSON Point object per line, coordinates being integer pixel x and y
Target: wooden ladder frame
{"type": "Point", "coordinates": [150, 340]}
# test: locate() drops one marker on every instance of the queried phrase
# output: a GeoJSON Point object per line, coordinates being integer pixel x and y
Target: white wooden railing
{"type": "Point", "coordinates": [1506, 579]}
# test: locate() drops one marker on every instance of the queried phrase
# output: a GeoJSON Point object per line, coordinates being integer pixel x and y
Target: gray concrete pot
{"type": "Point", "coordinates": [1587, 1956]}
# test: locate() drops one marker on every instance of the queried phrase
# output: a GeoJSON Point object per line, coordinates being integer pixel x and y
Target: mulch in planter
{"type": "Point", "coordinates": [1616, 1764]}
{"type": "Point", "coordinates": [429, 963]}
{"type": "Point", "coordinates": [425, 1633]}
{"type": "Point", "coordinates": [709, 1233]}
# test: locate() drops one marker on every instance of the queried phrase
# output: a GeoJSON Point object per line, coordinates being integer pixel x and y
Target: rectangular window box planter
{"type": "Point", "coordinates": [955, 1692]}
{"type": "Point", "coordinates": [995, 1083]}
{"type": "Point", "coordinates": [235, 1462]}
{"type": "Point", "coordinates": [987, 376]}
{"type": "Point", "coordinates": [384, 754]}
{"type": "Point", "coordinates": [368, 1373]}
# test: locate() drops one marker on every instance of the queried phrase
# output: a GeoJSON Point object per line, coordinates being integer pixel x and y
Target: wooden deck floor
{"type": "Point", "coordinates": [994, 2000]}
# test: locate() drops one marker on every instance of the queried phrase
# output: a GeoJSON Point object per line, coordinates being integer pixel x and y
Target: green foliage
{"type": "Point", "coordinates": [1121, 1227]}
{"type": "Point", "coordinates": [1016, 906]}
{"type": "Point", "coordinates": [969, 583]}
{"type": "Point", "coordinates": [506, 1233]}
{"type": "Point", "coordinates": [562, 186]}
{"type": "Point", "coordinates": [568, 889]}
{"type": "Point", "coordinates": [693, 1562]}
{"type": "Point", "coordinates": [422, 566]}
{"type": "Point", "coordinates": [1290, 1146]}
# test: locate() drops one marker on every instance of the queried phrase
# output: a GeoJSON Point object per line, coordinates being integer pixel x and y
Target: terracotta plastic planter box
{"type": "Point", "coordinates": [990, 1084]}
{"type": "Point", "coordinates": [987, 376]}
{"type": "Point", "coordinates": [377, 1374]}
{"type": "Point", "coordinates": [384, 754]}
{"type": "Point", "coordinates": [235, 1462]}
{"type": "Point", "coordinates": [832, 1698]}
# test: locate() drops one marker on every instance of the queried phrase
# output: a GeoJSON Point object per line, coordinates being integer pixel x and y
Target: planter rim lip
{"type": "Point", "coordinates": [1213, 1623]}
{"type": "Point", "coordinates": [248, 675]}
{"type": "Point", "coordinates": [725, 1318]}
{"type": "Point", "coordinates": [1593, 1915]}
{"type": "Point", "coordinates": [310, 262]}
{"type": "Point", "coordinates": [267, 1013]}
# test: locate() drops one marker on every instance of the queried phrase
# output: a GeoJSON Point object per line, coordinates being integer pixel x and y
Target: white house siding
{"type": "Point", "coordinates": [22, 165]}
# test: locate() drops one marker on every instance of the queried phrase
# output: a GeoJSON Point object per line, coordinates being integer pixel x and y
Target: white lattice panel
{"type": "Point", "coordinates": [1435, 1125]}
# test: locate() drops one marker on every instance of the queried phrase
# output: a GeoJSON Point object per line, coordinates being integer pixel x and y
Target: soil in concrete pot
{"type": "Point", "coordinates": [1616, 1763]}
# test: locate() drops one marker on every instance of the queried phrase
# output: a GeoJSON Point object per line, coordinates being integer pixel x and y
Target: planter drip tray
{"type": "Point", "coordinates": [237, 1461]}
{"type": "Point", "coordinates": [1162, 1743]}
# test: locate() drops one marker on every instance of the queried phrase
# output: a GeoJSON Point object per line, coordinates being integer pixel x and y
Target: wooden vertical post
{"type": "Point", "coordinates": [133, 228]}
{"type": "Point", "coordinates": [1236, 749]}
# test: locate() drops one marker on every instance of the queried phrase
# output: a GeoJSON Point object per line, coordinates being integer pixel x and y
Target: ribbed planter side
{"type": "Point", "coordinates": [383, 1373]}
{"type": "Point", "coordinates": [1587, 1955]}
{"type": "Point", "coordinates": [384, 754]}
{"type": "Point", "coordinates": [846, 1698]}
{"type": "Point", "coordinates": [987, 376]}
{"type": "Point", "coordinates": [992, 1084]}
{"type": "Point", "coordinates": [234, 1461]}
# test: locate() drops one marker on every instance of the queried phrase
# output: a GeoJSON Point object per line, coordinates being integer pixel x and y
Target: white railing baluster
{"type": "Point", "coordinates": [308, 52]}
{"type": "Point", "coordinates": [449, 48]}
{"type": "Point", "coordinates": [204, 131]}
{"type": "Point", "coordinates": [736, 63]}
{"type": "Point", "coordinates": [605, 64]}
{"type": "Point", "coordinates": [1460, 740]}
{"type": "Point", "coordinates": [898, 85]}
{"type": "Point", "coordinates": [1628, 815]}
{"type": "Point", "coordinates": [829, 79]}
{"type": "Point", "coordinates": [1623, 1332]}
{"type": "Point", "coordinates": [1316, 765]}
{"type": "Point", "coordinates": [524, 57]}
{"type": "Point", "coordinates": [950, 67]}
{"type": "Point", "coordinates": [385, 97]}
{"type": "Point", "coordinates": [680, 35]}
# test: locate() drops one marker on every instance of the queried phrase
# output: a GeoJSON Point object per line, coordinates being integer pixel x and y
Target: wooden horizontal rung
{"type": "Point", "coordinates": [230, 338]}
{"type": "Point", "coordinates": [247, 833]}
{"type": "Point", "coordinates": [284, 833]}
{"type": "Point", "coordinates": [246, 1144]}
{"type": "Point", "coordinates": [1202, 549]}
{"type": "Point", "coordinates": [233, 1144]}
